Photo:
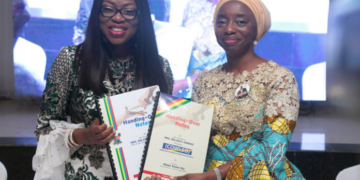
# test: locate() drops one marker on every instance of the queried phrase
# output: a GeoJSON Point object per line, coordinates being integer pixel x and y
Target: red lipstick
{"type": "Point", "coordinates": [231, 40]}
{"type": "Point", "coordinates": [117, 30]}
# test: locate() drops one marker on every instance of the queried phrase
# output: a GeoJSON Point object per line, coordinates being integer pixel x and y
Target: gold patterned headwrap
{"type": "Point", "coordinates": [262, 15]}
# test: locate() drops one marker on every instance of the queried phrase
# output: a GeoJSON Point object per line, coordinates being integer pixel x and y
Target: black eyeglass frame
{"type": "Point", "coordinates": [120, 11]}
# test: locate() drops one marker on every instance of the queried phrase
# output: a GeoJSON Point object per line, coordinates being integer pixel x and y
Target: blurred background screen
{"type": "Point", "coordinates": [185, 36]}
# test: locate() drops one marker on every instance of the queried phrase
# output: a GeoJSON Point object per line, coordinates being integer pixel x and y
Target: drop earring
{"type": "Point", "coordinates": [255, 43]}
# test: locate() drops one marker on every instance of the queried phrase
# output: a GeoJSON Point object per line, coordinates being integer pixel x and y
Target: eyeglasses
{"type": "Point", "coordinates": [126, 13]}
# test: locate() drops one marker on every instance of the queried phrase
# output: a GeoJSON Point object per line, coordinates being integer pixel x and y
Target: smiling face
{"type": "Point", "coordinates": [235, 27]}
{"type": "Point", "coordinates": [116, 29]}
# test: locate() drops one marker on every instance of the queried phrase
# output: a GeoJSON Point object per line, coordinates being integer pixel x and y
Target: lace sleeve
{"type": "Point", "coordinates": [55, 95]}
{"type": "Point", "coordinates": [52, 131]}
{"type": "Point", "coordinates": [197, 90]}
{"type": "Point", "coordinates": [283, 98]}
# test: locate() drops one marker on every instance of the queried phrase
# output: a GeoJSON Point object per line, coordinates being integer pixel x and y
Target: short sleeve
{"type": "Point", "coordinates": [283, 98]}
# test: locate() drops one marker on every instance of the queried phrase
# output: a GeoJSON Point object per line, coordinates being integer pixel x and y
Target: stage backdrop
{"type": "Point", "coordinates": [185, 36]}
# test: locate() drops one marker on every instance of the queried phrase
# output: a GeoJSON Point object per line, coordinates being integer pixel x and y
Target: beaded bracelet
{"type": "Point", "coordinates": [71, 141]}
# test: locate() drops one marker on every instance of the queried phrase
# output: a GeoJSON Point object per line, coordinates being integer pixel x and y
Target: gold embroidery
{"type": "Point", "coordinates": [233, 136]}
{"type": "Point", "coordinates": [246, 137]}
{"type": "Point", "coordinates": [269, 120]}
{"type": "Point", "coordinates": [220, 140]}
{"type": "Point", "coordinates": [287, 170]}
{"type": "Point", "coordinates": [260, 172]}
{"type": "Point", "coordinates": [291, 125]}
{"type": "Point", "coordinates": [236, 170]}
{"type": "Point", "coordinates": [290, 166]}
{"type": "Point", "coordinates": [215, 164]}
{"type": "Point", "coordinates": [280, 126]}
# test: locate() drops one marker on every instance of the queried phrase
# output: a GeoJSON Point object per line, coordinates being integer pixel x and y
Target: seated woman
{"type": "Point", "coordinates": [252, 128]}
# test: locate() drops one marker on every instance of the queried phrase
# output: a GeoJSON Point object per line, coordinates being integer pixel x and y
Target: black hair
{"type": "Point", "coordinates": [93, 55]}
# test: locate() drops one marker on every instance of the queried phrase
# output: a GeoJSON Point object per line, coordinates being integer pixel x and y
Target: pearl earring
{"type": "Point", "coordinates": [255, 43]}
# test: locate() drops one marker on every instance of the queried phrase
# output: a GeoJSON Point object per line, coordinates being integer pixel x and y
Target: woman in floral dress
{"type": "Point", "coordinates": [256, 101]}
{"type": "Point", "coordinates": [118, 55]}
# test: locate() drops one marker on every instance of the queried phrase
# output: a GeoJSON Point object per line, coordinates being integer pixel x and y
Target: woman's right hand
{"type": "Point", "coordinates": [96, 133]}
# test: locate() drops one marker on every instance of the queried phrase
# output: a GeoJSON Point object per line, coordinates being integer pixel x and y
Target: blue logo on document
{"type": "Point", "coordinates": [178, 149]}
